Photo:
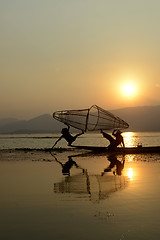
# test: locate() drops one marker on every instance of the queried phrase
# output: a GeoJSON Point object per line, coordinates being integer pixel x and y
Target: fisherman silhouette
{"type": "Point", "coordinates": [67, 136]}
{"type": "Point", "coordinates": [114, 162]}
{"type": "Point", "coordinates": [114, 142]}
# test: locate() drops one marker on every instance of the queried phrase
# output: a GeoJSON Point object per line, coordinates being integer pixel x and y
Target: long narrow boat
{"type": "Point", "coordinates": [126, 150]}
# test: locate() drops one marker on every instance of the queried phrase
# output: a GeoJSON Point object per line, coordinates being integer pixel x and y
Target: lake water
{"type": "Point", "coordinates": [96, 139]}
{"type": "Point", "coordinates": [72, 195]}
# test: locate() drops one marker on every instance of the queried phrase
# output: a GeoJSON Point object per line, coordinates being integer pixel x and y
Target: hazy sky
{"type": "Point", "coordinates": [71, 54]}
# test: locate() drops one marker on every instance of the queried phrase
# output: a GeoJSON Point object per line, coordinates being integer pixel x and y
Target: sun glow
{"type": "Point", "coordinates": [130, 174]}
{"type": "Point", "coordinates": [128, 89]}
{"type": "Point", "coordinates": [129, 139]}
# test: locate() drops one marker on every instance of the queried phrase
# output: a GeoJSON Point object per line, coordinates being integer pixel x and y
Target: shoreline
{"type": "Point", "coordinates": [46, 155]}
{"type": "Point", "coordinates": [91, 149]}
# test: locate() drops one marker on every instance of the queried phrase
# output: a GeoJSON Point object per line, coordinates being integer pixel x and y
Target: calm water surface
{"type": "Point", "coordinates": [74, 195]}
{"type": "Point", "coordinates": [12, 141]}
{"type": "Point", "coordinates": [106, 197]}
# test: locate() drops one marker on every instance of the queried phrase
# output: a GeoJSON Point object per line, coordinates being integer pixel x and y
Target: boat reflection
{"type": "Point", "coordinates": [86, 184]}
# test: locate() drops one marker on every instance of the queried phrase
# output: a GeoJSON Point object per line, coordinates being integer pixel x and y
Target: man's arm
{"type": "Point", "coordinates": [68, 127]}
{"type": "Point", "coordinates": [57, 141]}
{"type": "Point", "coordinates": [123, 142]}
{"type": "Point", "coordinates": [113, 133]}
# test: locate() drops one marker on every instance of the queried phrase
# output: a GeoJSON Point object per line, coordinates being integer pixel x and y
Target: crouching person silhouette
{"type": "Point", "coordinates": [67, 136]}
{"type": "Point", "coordinates": [114, 142]}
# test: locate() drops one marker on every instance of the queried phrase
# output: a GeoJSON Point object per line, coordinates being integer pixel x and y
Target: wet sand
{"type": "Point", "coordinates": [106, 198]}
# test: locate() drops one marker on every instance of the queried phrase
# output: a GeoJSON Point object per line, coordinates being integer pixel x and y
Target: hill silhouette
{"type": "Point", "coordinates": [146, 118]}
{"type": "Point", "coordinates": [41, 124]}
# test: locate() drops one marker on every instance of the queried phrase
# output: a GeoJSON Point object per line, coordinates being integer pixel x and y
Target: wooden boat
{"type": "Point", "coordinates": [126, 150]}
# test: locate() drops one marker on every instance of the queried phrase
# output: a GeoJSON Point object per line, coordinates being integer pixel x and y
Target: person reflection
{"type": "Point", "coordinates": [66, 167]}
{"type": "Point", "coordinates": [114, 163]}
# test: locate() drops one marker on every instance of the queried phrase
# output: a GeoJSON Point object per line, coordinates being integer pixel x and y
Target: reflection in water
{"type": "Point", "coordinates": [96, 187]}
{"type": "Point", "coordinates": [114, 163]}
{"type": "Point", "coordinates": [130, 157]}
{"type": "Point", "coordinates": [130, 174]}
{"type": "Point", "coordinates": [68, 165]}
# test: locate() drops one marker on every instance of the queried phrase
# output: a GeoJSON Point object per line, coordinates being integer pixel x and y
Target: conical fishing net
{"type": "Point", "coordinates": [92, 119]}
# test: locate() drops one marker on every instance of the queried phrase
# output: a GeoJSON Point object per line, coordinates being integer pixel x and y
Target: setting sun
{"type": "Point", "coordinates": [128, 89]}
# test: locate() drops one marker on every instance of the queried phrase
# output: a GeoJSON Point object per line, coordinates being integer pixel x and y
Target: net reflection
{"type": "Point", "coordinates": [93, 186]}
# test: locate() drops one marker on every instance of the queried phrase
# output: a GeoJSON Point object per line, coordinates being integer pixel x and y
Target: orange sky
{"type": "Point", "coordinates": [73, 54]}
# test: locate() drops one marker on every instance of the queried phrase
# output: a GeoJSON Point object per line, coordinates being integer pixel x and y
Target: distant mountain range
{"type": "Point", "coordinates": [146, 118]}
{"type": "Point", "coordinates": [140, 119]}
{"type": "Point", "coordinates": [41, 124]}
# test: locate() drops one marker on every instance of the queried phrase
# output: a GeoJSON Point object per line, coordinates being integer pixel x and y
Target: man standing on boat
{"type": "Point", "coordinates": [114, 142]}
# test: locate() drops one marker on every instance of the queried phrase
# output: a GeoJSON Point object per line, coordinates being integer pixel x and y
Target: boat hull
{"type": "Point", "coordinates": [127, 150]}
